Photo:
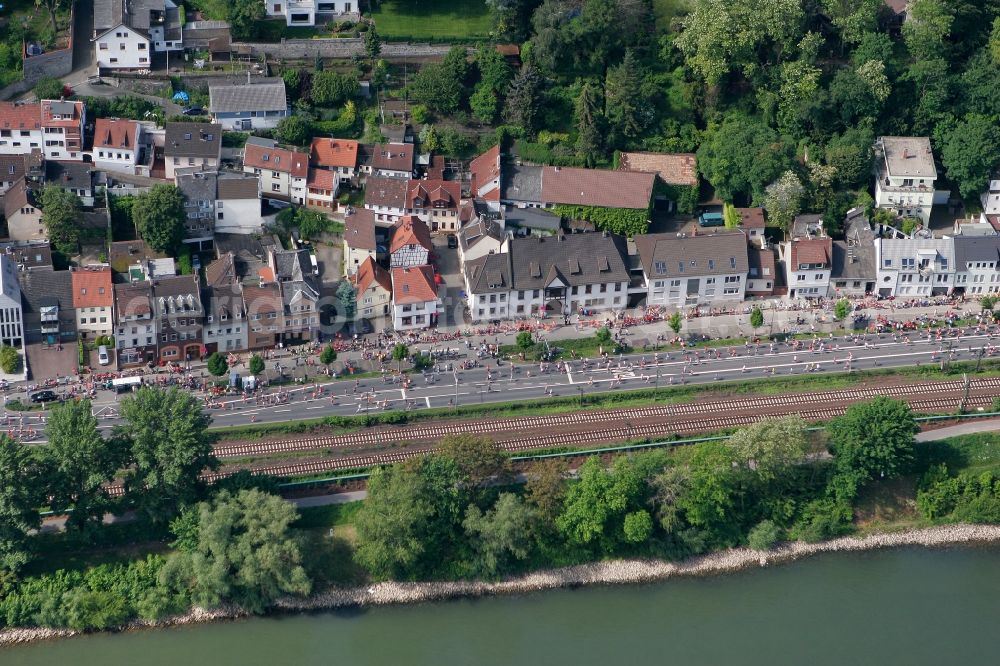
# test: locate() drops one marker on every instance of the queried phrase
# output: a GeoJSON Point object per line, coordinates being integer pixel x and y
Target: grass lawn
{"type": "Point", "coordinates": [432, 19]}
{"type": "Point", "coordinates": [273, 31]}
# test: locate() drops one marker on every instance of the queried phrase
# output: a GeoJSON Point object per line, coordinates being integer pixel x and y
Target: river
{"type": "Point", "coordinates": [912, 606]}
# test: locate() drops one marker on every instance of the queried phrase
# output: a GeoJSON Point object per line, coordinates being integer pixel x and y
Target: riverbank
{"type": "Point", "coordinates": [614, 572]}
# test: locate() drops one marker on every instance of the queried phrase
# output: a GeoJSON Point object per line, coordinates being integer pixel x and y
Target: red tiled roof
{"type": "Point", "coordinates": [321, 179]}
{"type": "Point", "coordinates": [20, 116]}
{"type": "Point", "coordinates": [994, 221]}
{"type": "Point", "coordinates": [329, 152]}
{"type": "Point", "coordinates": [811, 251]}
{"type": "Point", "coordinates": [751, 218]}
{"type": "Point", "coordinates": [413, 285]}
{"type": "Point", "coordinates": [92, 287]}
{"type": "Point", "coordinates": [597, 187]}
{"type": "Point", "coordinates": [433, 194]}
{"type": "Point", "coordinates": [485, 169]}
{"type": "Point", "coordinates": [673, 168]}
{"type": "Point", "coordinates": [369, 272]}
{"type": "Point", "coordinates": [113, 133]}
{"type": "Point", "coordinates": [410, 230]}
{"type": "Point", "coordinates": [276, 159]}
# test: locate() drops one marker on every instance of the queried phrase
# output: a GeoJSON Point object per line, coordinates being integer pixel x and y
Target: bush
{"type": "Point", "coordinates": [966, 497]}
{"type": "Point", "coordinates": [822, 519]}
{"type": "Point", "coordinates": [764, 535]}
{"type": "Point", "coordinates": [48, 87]}
{"type": "Point", "coordinates": [10, 359]}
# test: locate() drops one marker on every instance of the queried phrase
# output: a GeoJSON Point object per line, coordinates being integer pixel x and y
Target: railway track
{"type": "Point", "coordinates": [502, 429]}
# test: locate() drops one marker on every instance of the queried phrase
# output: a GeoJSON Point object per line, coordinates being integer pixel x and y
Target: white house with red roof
{"type": "Point", "coordinates": [339, 156]}
{"type": "Point", "coordinates": [117, 145]}
{"type": "Point", "coordinates": [282, 172]}
{"type": "Point", "coordinates": [321, 189]}
{"type": "Point", "coordinates": [372, 288]}
{"type": "Point", "coordinates": [62, 129]}
{"type": "Point", "coordinates": [414, 298]}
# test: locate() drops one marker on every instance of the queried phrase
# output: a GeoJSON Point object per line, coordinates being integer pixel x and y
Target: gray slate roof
{"type": "Point", "coordinates": [490, 273]}
{"type": "Point", "coordinates": [261, 95]}
{"type": "Point", "coordinates": [292, 265]}
{"type": "Point", "coordinates": [43, 287]}
{"type": "Point", "coordinates": [192, 140]}
{"type": "Point", "coordinates": [532, 218]}
{"type": "Point", "coordinates": [721, 253]}
{"type": "Point", "coordinates": [69, 175]}
{"type": "Point", "coordinates": [854, 257]}
{"type": "Point", "coordinates": [522, 183]}
{"type": "Point", "coordinates": [917, 248]}
{"type": "Point", "coordinates": [197, 186]}
{"type": "Point", "coordinates": [976, 249]}
{"type": "Point", "coordinates": [576, 259]}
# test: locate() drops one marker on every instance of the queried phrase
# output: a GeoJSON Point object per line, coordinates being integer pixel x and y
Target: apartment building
{"type": "Point", "coordinates": [93, 300]}
{"type": "Point", "coordinates": [282, 172]}
{"type": "Point", "coordinates": [692, 269]}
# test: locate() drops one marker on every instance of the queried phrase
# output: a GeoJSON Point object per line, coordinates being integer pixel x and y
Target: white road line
{"type": "Point", "coordinates": [316, 407]}
{"type": "Point", "coordinates": [281, 410]}
{"type": "Point", "coordinates": [428, 400]}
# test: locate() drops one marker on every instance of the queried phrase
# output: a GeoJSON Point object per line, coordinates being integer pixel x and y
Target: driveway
{"type": "Point", "coordinates": [450, 292]}
{"type": "Point", "coordinates": [83, 48]}
{"type": "Point", "coordinates": [45, 361]}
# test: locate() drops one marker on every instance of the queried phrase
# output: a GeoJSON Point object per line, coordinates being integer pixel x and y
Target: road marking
{"type": "Point", "coordinates": [428, 400]}
{"type": "Point", "coordinates": [281, 410]}
{"type": "Point", "coordinates": [316, 407]}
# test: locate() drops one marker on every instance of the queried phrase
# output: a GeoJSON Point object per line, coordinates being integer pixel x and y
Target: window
{"type": "Point", "coordinates": [103, 46]}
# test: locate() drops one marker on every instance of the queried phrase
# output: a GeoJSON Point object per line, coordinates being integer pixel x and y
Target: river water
{"type": "Point", "coordinates": [909, 606]}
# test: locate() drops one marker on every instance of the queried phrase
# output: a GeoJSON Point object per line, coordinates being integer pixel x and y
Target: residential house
{"type": "Point", "coordinates": [291, 265]}
{"type": "Point", "coordinates": [282, 172]}
{"type": "Point", "coordinates": [177, 305]}
{"type": "Point", "coordinates": [12, 169]}
{"type": "Point", "coordinates": [265, 314]}
{"type": "Point", "coordinates": [62, 129]}
{"type": "Point", "coordinates": [676, 170]}
{"type": "Point", "coordinates": [117, 145]}
{"type": "Point", "coordinates": [237, 205]}
{"type": "Point", "coordinates": [254, 105]}
{"type": "Point", "coordinates": [386, 197]}
{"type": "Point", "coordinates": [199, 189]}
{"type": "Point", "coordinates": [77, 177]}
{"type": "Point", "coordinates": [485, 172]}
{"type": "Point", "coordinates": [410, 244]}
{"type": "Point", "coordinates": [226, 328]}
{"type": "Point", "coordinates": [390, 160]}
{"type": "Point", "coordinates": [191, 145]}
{"type": "Point", "coordinates": [762, 274]}
{"type": "Point", "coordinates": [752, 224]}
{"type": "Point", "coordinates": [915, 267]}
{"type": "Point", "coordinates": [135, 325]}
{"type": "Point", "coordinates": [484, 236]}
{"type": "Point", "coordinates": [321, 189]}
{"type": "Point", "coordinates": [339, 156]}
{"type": "Point", "coordinates": [905, 176]}
{"type": "Point", "coordinates": [435, 202]}
{"type": "Point", "coordinates": [990, 200]}
{"type": "Point", "coordinates": [126, 32]}
{"type": "Point", "coordinates": [359, 240]}
{"type": "Point", "coordinates": [11, 309]}
{"type": "Point", "coordinates": [93, 300]}
{"type": "Point", "coordinates": [977, 265]}
{"type": "Point", "coordinates": [544, 187]}
{"type": "Point", "coordinates": [488, 283]}
{"type": "Point", "coordinates": [808, 258]}
{"type": "Point", "coordinates": [854, 271]}
{"type": "Point", "coordinates": [373, 289]}
{"type": "Point", "coordinates": [414, 298]}
{"type": "Point", "coordinates": [301, 309]}
{"type": "Point", "coordinates": [692, 269]}
{"type": "Point", "coordinates": [23, 213]}
{"type": "Point", "coordinates": [310, 12]}
{"type": "Point", "coordinates": [47, 308]}
{"type": "Point", "coordinates": [20, 128]}
{"type": "Point", "coordinates": [29, 255]}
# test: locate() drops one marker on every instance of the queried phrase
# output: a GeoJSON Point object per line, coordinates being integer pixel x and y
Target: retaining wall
{"type": "Point", "coordinates": [298, 49]}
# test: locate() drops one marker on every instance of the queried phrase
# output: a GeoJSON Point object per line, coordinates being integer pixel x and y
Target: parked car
{"type": "Point", "coordinates": [193, 111]}
{"type": "Point", "coordinates": [102, 355]}
{"type": "Point", "coordinates": [452, 241]}
{"type": "Point", "coordinates": [44, 396]}
{"type": "Point", "coordinates": [196, 262]}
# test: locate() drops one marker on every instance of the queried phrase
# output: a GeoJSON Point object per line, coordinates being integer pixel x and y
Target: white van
{"type": "Point", "coordinates": [102, 355]}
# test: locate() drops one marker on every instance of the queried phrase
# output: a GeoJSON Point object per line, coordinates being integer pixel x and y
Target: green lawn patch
{"type": "Point", "coordinates": [331, 515]}
{"type": "Point", "coordinates": [432, 20]}
{"type": "Point", "coordinates": [273, 31]}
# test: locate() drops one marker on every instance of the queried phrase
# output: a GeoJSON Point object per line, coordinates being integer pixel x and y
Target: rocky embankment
{"type": "Point", "coordinates": [614, 572]}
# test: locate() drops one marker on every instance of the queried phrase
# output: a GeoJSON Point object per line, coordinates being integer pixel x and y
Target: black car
{"type": "Point", "coordinates": [193, 111]}
{"type": "Point", "coordinates": [452, 241]}
{"type": "Point", "coordinates": [44, 396]}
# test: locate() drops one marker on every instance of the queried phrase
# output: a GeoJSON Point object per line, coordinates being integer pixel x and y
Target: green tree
{"type": "Point", "coordinates": [81, 463]}
{"type": "Point", "coordinates": [783, 199]}
{"type": "Point", "coordinates": [485, 104]}
{"type": "Point", "coordinates": [525, 340]}
{"type": "Point", "coordinates": [328, 355]}
{"type": "Point", "coordinates": [675, 322]}
{"type": "Point", "coordinates": [842, 310]}
{"type": "Point", "coordinates": [21, 493]}
{"type": "Point", "coordinates": [994, 45]}
{"type": "Point", "coordinates": [603, 336]}
{"type": "Point", "coordinates": [159, 216]}
{"type": "Point", "coordinates": [756, 318]}
{"type": "Point", "coordinates": [373, 43]}
{"type": "Point", "coordinates": [166, 431]}
{"type": "Point", "coordinates": [294, 130]}
{"type": "Point", "coordinates": [477, 458]}
{"type": "Point", "coordinates": [217, 364]}
{"type": "Point", "coordinates": [626, 101]}
{"type": "Point", "coordinates": [399, 354]}
{"type": "Point", "coordinates": [347, 300]}
{"type": "Point", "coordinates": [245, 553]}
{"type": "Point", "coordinates": [256, 365]}
{"type": "Point", "coordinates": [10, 359]}
{"type": "Point", "coordinates": [988, 302]}
{"type": "Point", "coordinates": [60, 215]}
{"type": "Point", "coordinates": [769, 448]}
{"type": "Point", "coordinates": [970, 153]}
{"type": "Point", "coordinates": [501, 535]}
{"type": "Point", "coordinates": [245, 18]}
{"type": "Point", "coordinates": [545, 488]}
{"type": "Point", "coordinates": [928, 25]}
{"type": "Point", "coordinates": [589, 125]}
{"type": "Point", "coordinates": [638, 526]}
{"type": "Point", "coordinates": [494, 72]}
{"type": "Point", "coordinates": [873, 439]}
{"type": "Point", "coordinates": [436, 87]}
{"type": "Point", "coordinates": [524, 100]}
{"type": "Point", "coordinates": [731, 216]}
{"type": "Point", "coordinates": [48, 87]}
{"type": "Point", "coordinates": [740, 156]}
{"type": "Point", "coordinates": [595, 508]}
{"type": "Point", "coordinates": [332, 88]}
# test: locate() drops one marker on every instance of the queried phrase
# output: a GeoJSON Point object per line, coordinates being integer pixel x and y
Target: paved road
{"type": "Point", "coordinates": [967, 428]}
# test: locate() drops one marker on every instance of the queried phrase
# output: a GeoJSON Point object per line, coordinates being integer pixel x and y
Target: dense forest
{"type": "Point", "coordinates": [792, 92]}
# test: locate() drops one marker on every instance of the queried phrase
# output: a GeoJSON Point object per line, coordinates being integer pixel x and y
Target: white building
{"type": "Point", "coordinates": [93, 299]}
{"type": "Point", "coordinates": [62, 129]}
{"type": "Point", "coordinates": [257, 104]}
{"type": "Point", "coordinates": [282, 172]}
{"type": "Point", "coordinates": [237, 206]}
{"type": "Point", "coordinates": [135, 326]}
{"type": "Point", "coordinates": [11, 311]}
{"type": "Point", "coordinates": [977, 265]}
{"type": "Point", "coordinates": [909, 267]}
{"type": "Point", "coordinates": [126, 32]}
{"type": "Point", "coordinates": [304, 12]}
{"type": "Point", "coordinates": [117, 145]}
{"type": "Point", "coordinates": [414, 298]}
{"type": "Point", "coordinates": [191, 145]}
{"type": "Point", "coordinates": [689, 269]}
{"type": "Point", "coordinates": [386, 197]}
{"type": "Point", "coordinates": [905, 176]}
